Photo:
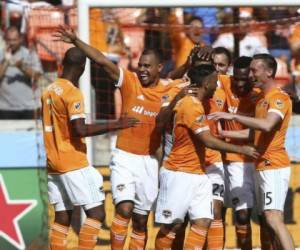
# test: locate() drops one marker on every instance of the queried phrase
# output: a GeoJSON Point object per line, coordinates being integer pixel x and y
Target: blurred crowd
{"type": "Point", "coordinates": [30, 59]}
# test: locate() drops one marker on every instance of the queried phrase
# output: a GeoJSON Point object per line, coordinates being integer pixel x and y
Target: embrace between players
{"type": "Point", "coordinates": [195, 181]}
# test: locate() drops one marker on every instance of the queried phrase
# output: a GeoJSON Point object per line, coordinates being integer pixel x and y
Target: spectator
{"type": "Point", "coordinates": [250, 43]}
{"type": "Point", "coordinates": [183, 42]}
{"type": "Point", "coordinates": [209, 17]}
{"type": "Point", "coordinates": [19, 70]}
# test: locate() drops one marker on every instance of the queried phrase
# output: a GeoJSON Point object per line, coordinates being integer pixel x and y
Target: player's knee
{"type": "Point", "coordinates": [243, 217]}
{"type": "Point", "coordinates": [139, 222]}
{"type": "Point", "coordinates": [273, 218]}
{"type": "Point", "coordinates": [125, 209]}
{"type": "Point", "coordinates": [203, 222]}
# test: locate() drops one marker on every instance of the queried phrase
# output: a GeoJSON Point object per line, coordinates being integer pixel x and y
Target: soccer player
{"type": "Point", "coordinates": [183, 183]}
{"type": "Point", "coordinates": [213, 160]}
{"type": "Point", "coordinates": [221, 59]}
{"type": "Point", "coordinates": [239, 169]}
{"type": "Point", "coordinates": [270, 124]}
{"type": "Point", "coordinates": [134, 168]}
{"type": "Point", "coordinates": [71, 180]}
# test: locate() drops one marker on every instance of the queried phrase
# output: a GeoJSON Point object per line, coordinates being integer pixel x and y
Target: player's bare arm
{"type": "Point", "coordinates": [214, 143]}
{"type": "Point", "coordinates": [266, 124]}
{"type": "Point", "coordinates": [80, 129]}
{"type": "Point", "coordinates": [67, 35]}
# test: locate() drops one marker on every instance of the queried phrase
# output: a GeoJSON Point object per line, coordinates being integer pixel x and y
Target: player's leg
{"type": "Point", "coordinates": [215, 237]}
{"type": "Point", "coordinates": [180, 235]}
{"type": "Point", "coordinates": [174, 198]}
{"type": "Point", "coordinates": [92, 189]}
{"type": "Point", "coordinates": [85, 188]}
{"type": "Point", "coordinates": [273, 186]}
{"type": "Point", "coordinates": [146, 181]}
{"type": "Point", "coordinates": [123, 191]}
{"type": "Point", "coordinates": [241, 185]}
{"type": "Point", "coordinates": [63, 211]}
{"type": "Point", "coordinates": [200, 213]}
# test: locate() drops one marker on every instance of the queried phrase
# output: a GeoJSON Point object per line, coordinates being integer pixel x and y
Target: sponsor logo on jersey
{"type": "Point", "coordinates": [141, 110]}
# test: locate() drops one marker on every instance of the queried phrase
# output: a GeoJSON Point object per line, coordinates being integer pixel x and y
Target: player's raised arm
{"type": "Point", "coordinates": [67, 35]}
{"type": "Point", "coordinates": [80, 129]}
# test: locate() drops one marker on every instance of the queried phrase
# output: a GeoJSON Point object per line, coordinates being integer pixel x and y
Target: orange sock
{"type": "Point", "coordinates": [88, 234]}
{"type": "Point", "coordinates": [244, 236]}
{"type": "Point", "coordinates": [138, 240]}
{"type": "Point", "coordinates": [118, 232]}
{"type": "Point", "coordinates": [215, 235]}
{"type": "Point", "coordinates": [58, 237]}
{"type": "Point", "coordinates": [164, 241]}
{"type": "Point", "coordinates": [196, 238]}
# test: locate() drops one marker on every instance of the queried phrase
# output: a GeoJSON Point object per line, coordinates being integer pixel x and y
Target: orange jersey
{"type": "Point", "coordinates": [238, 105]}
{"type": "Point", "coordinates": [214, 105]}
{"type": "Point", "coordinates": [143, 104]}
{"type": "Point", "coordinates": [61, 103]}
{"type": "Point", "coordinates": [187, 154]}
{"type": "Point", "coordinates": [271, 145]}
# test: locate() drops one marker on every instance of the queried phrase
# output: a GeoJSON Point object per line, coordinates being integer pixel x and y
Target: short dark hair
{"type": "Point", "coordinates": [242, 62]}
{"type": "Point", "coordinates": [269, 60]}
{"type": "Point", "coordinates": [223, 50]}
{"type": "Point", "coordinates": [198, 73]}
{"type": "Point", "coordinates": [74, 57]}
{"type": "Point", "coordinates": [157, 54]}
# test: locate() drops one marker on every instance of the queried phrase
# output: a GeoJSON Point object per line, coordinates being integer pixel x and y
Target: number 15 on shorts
{"type": "Point", "coordinates": [267, 198]}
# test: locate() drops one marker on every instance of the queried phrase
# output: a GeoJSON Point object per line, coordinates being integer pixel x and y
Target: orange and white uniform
{"type": "Point", "coordinates": [273, 167]}
{"type": "Point", "coordinates": [183, 182]}
{"type": "Point", "coordinates": [239, 169]}
{"type": "Point", "coordinates": [213, 159]}
{"type": "Point", "coordinates": [134, 167]}
{"type": "Point", "coordinates": [67, 162]}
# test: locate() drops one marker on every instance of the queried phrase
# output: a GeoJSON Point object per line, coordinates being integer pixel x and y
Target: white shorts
{"type": "Point", "coordinates": [82, 187]}
{"type": "Point", "coordinates": [181, 193]}
{"type": "Point", "coordinates": [240, 190]}
{"type": "Point", "coordinates": [215, 173]}
{"type": "Point", "coordinates": [271, 188]}
{"type": "Point", "coordinates": [134, 178]}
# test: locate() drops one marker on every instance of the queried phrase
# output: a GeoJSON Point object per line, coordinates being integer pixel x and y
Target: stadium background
{"type": "Point", "coordinates": [121, 36]}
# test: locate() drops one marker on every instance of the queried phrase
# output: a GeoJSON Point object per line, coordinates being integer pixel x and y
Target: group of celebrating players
{"type": "Point", "coordinates": [223, 146]}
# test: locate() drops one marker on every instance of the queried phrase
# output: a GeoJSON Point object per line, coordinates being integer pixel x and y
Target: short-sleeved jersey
{"type": "Point", "coordinates": [61, 103]}
{"type": "Point", "coordinates": [187, 154]}
{"type": "Point", "coordinates": [143, 104]}
{"type": "Point", "coordinates": [271, 144]}
{"type": "Point", "coordinates": [237, 105]}
{"type": "Point", "coordinates": [215, 104]}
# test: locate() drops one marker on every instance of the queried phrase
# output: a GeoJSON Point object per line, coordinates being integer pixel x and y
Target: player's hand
{"type": "Point", "coordinates": [193, 54]}
{"type": "Point", "coordinates": [221, 115]}
{"type": "Point", "coordinates": [65, 34]}
{"type": "Point", "coordinates": [127, 122]}
{"type": "Point", "coordinates": [205, 53]}
{"type": "Point", "coordinates": [250, 151]}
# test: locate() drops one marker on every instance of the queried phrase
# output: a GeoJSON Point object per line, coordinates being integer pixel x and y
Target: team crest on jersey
{"type": "Point", "coordinates": [219, 102]}
{"type": "Point", "coordinates": [200, 118]}
{"type": "Point", "coordinates": [77, 105]}
{"type": "Point", "coordinates": [279, 103]}
{"type": "Point", "coordinates": [164, 98]}
{"type": "Point", "coordinates": [167, 213]}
